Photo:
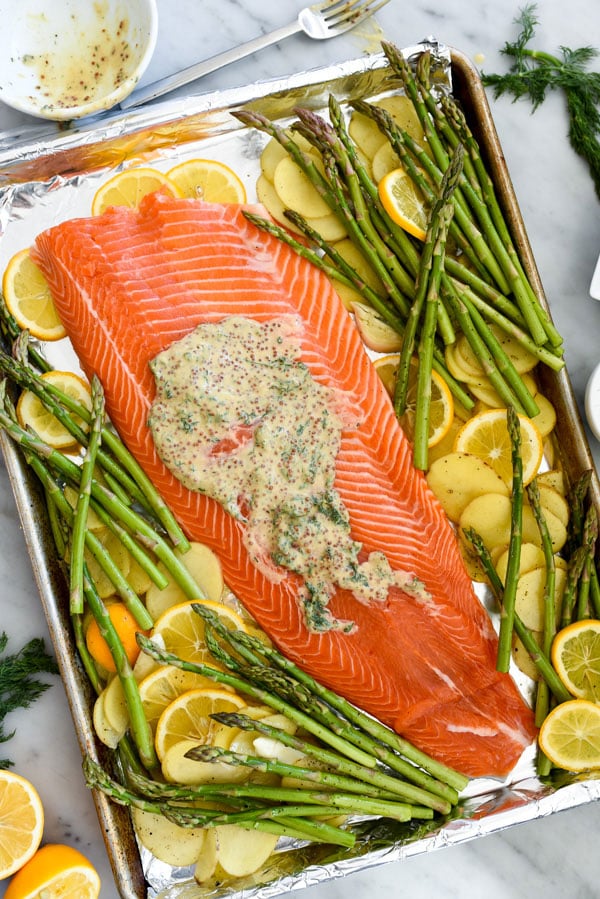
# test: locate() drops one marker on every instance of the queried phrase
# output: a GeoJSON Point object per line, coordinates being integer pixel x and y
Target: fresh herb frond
{"type": "Point", "coordinates": [19, 686]}
{"type": "Point", "coordinates": [533, 73]}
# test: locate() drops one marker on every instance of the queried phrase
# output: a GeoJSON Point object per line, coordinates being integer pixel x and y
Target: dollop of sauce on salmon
{"type": "Point", "coordinates": [240, 418]}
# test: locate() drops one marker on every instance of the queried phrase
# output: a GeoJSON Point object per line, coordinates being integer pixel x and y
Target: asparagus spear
{"type": "Point", "coordinates": [507, 611]}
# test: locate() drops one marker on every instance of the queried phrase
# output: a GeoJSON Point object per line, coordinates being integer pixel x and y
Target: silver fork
{"type": "Point", "coordinates": [319, 21]}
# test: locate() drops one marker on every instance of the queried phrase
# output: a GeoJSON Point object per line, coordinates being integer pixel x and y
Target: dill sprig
{"type": "Point", "coordinates": [18, 685]}
{"type": "Point", "coordinates": [534, 72]}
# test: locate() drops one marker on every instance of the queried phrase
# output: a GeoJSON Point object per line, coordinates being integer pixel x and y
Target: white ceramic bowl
{"type": "Point", "coordinates": [65, 59]}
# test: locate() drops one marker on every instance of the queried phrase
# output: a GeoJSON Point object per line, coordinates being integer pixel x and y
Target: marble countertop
{"type": "Point", "coordinates": [557, 856]}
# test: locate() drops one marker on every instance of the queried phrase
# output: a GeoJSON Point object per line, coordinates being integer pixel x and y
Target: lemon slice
{"type": "Point", "coordinates": [207, 179]}
{"type": "Point", "coordinates": [486, 435]}
{"type": "Point", "coordinates": [21, 822]}
{"type": "Point", "coordinates": [56, 871]}
{"type": "Point", "coordinates": [129, 187]}
{"type": "Point", "coordinates": [188, 717]}
{"type": "Point", "coordinates": [32, 413]}
{"type": "Point", "coordinates": [570, 735]}
{"type": "Point", "coordinates": [159, 688]}
{"type": "Point", "coordinates": [441, 411]}
{"type": "Point", "coordinates": [576, 658]}
{"type": "Point", "coordinates": [181, 630]}
{"type": "Point", "coordinates": [28, 298]}
{"type": "Point", "coordinates": [404, 202]}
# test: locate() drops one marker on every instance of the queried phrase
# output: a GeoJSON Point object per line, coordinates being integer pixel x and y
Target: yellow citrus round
{"type": "Point", "coordinates": [32, 413]}
{"type": "Point", "coordinates": [486, 435]}
{"type": "Point", "coordinates": [56, 871]}
{"type": "Point", "coordinates": [29, 299]}
{"type": "Point", "coordinates": [570, 735]}
{"type": "Point", "coordinates": [576, 658]}
{"type": "Point", "coordinates": [129, 187]}
{"type": "Point", "coordinates": [207, 179]}
{"type": "Point", "coordinates": [21, 822]}
{"type": "Point", "coordinates": [404, 202]}
{"type": "Point", "coordinates": [441, 410]}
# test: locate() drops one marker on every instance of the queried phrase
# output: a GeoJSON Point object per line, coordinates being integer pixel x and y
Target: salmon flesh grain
{"type": "Point", "coordinates": [127, 285]}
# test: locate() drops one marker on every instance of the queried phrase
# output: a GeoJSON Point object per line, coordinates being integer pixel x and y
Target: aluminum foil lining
{"type": "Point", "coordinates": [48, 174]}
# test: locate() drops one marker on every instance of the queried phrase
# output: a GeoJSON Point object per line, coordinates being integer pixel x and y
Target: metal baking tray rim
{"type": "Point", "coordinates": [112, 140]}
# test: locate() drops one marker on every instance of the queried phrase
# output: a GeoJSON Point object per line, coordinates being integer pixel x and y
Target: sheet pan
{"type": "Point", "coordinates": [47, 175]}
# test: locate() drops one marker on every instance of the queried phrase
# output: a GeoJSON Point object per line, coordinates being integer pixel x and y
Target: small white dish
{"type": "Point", "coordinates": [595, 285]}
{"type": "Point", "coordinates": [592, 401]}
{"type": "Point", "coordinates": [66, 59]}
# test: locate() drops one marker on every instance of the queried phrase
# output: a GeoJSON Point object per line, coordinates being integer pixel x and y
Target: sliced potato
{"type": "Point", "coordinates": [296, 190]}
{"type": "Point", "coordinates": [120, 556]}
{"type": "Point", "coordinates": [472, 562]}
{"type": "Point", "coordinates": [523, 660]}
{"type": "Point", "coordinates": [467, 358]}
{"type": "Point", "coordinates": [104, 731]}
{"type": "Point", "coordinates": [553, 478]}
{"type": "Point", "coordinates": [115, 706]}
{"type": "Point", "coordinates": [556, 529]}
{"type": "Point", "coordinates": [490, 516]}
{"type": "Point", "coordinates": [459, 370]}
{"type": "Point", "coordinates": [207, 859]}
{"type": "Point", "coordinates": [367, 135]}
{"type": "Point", "coordinates": [375, 332]}
{"type": "Point", "coordinates": [353, 256]}
{"type": "Point", "coordinates": [385, 160]}
{"type": "Point", "coordinates": [521, 358]}
{"type": "Point", "coordinates": [176, 768]}
{"type": "Point", "coordinates": [529, 600]}
{"type": "Point", "coordinates": [484, 391]}
{"type": "Point", "coordinates": [93, 522]}
{"type": "Point", "coordinates": [446, 444]}
{"type": "Point", "coordinates": [546, 417]}
{"type": "Point", "coordinates": [241, 852]}
{"type": "Point", "coordinates": [205, 568]}
{"type": "Point", "coordinates": [268, 196]}
{"type": "Point", "coordinates": [168, 842]}
{"type": "Point", "coordinates": [553, 501]}
{"type": "Point", "coordinates": [457, 478]}
{"type": "Point", "coordinates": [144, 665]}
{"type": "Point", "coordinates": [273, 153]}
{"type": "Point", "coordinates": [532, 556]}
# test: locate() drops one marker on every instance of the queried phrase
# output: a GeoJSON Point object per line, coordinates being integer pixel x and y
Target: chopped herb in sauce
{"type": "Point", "coordinates": [238, 417]}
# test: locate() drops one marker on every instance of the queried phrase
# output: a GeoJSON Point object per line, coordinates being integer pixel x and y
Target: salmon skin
{"type": "Point", "coordinates": [127, 284]}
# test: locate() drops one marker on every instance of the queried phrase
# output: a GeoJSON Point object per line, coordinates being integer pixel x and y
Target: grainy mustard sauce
{"type": "Point", "coordinates": [239, 418]}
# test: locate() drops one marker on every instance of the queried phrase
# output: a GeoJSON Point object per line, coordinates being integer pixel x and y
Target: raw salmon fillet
{"type": "Point", "coordinates": [126, 285]}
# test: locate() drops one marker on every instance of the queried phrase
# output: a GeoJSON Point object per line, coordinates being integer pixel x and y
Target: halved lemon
{"type": "Point", "coordinates": [188, 717]}
{"type": "Point", "coordinates": [570, 735]}
{"type": "Point", "coordinates": [28, 298]}
{"type": "Point", "coordinates": [404, 202]}
{"type": "Point", "coordinates": [486, 435]}
{"type": "Point", "coordinates": [576, 658]}
{"type": "Point", "coordinates": [181, 630]}
{"type": "Point", "coordinates": [441, 411]}
{"type": "Point", "coordinates": [207, 179]}
{"type": "Point", "coordinates": [21, 822]}
{"type": "Point", "coordinates": [129, 187]}
{"type": "Point", "coordinates": [32, 413]}
{"type": "Point", "coordinates": [56, 871]}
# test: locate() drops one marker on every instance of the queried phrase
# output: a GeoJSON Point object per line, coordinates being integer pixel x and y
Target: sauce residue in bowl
{"type": "Point", "coordinates": [87, 64]}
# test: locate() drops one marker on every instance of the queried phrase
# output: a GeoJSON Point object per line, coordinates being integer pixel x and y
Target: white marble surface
{"type": "Point", "coordinates": [558, 856]}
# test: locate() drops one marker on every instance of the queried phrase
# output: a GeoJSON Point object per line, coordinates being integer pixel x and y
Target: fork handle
{"type": "Point", "coordinates": [171, 82]}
